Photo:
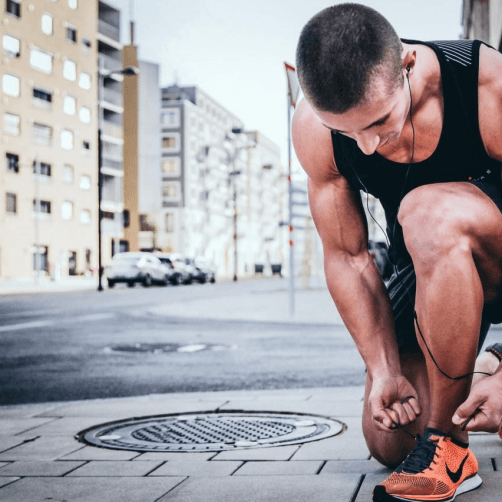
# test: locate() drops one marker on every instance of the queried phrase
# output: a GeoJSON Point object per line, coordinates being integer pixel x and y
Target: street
{"type": "Point", "coordinates": [131, 342]}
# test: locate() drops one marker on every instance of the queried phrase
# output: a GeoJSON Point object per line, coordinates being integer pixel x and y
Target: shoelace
{"type": "Point", "coordinates": [421, 457]}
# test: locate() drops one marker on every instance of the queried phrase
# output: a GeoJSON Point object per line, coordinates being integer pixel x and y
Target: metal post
{"type": "Point", "coordinates": [37, 220]}
{"type": "Point", "coordinates": [235, 222]}
{"type": "Point", "coordinates": [290, 222]}
{"type": "Point", "coordinates": [100, 176]}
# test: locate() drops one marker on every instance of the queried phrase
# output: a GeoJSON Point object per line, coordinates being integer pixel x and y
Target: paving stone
{"type": "Point", "coordinates": [67, 426]}
{"type": "Point", "coordinates": [39, 468]}
{"type": "Point", "coordinates": [487, 445]}
{"type": "Point", "coordinates": [42, 448]}
{"type": "Point", "coordinates": [115, 469]}
{"type": "Point", "coordinates": [24, 411]}
{"type": "Point", "coordinates": [92, 453]}
{"type": "Point", "coordinates": [349, 445]}
{"type": "Point", "coordinates": [88, 489]}
{"type": "Point", "coordinates": [354, 466]}
{"type": "Point", "coordinates": [175, 457]}
{"type": "Point", "coordinates": [209, 469]}
{"type": "Point", "coordinates": [5, 482]}
{"type": "Point", "coordinates": [3, 464]}
{"type": "Point", "coordinates": [279, 468]}
{"type": "Point", "coordinates": [369, 483]}
{"type": "Point", "coordinates": [132, 408]}
{"type": "Point", "coordinates": [16, 425]}
{"type": "Point", "coordinates": [8, 442]}
{"type": "Point", "coordinates": [265, 488]}
{"type": "Point", "coordinates": [272, 453]}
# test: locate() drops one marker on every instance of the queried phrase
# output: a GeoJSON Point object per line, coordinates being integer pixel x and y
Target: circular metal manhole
{"type": "Point", "coordinates": [211, 431]}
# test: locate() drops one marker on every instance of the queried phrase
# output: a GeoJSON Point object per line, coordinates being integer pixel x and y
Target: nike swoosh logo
{"type": "Point", "coordinates": [455, 476]}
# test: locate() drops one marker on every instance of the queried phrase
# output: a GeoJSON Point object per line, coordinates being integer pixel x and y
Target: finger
{"type": "Point", "coordinates": [399, 409]}
{"type": "Point", "coordinates": [394, 415]}
{"type": "Point", "coordinates": [415, 405]}
{"type": "Point", "coordinates": [467, 409]}
{"type": "Point", "coordinates": [481, 423]}
{"type": "Point", "coordinates": [411, 412]}
{"type": "Point", "coordinates": [383, 420]}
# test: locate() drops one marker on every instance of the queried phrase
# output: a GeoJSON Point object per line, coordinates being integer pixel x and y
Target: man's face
{"type": "Point", "coordinates": [377, 122]}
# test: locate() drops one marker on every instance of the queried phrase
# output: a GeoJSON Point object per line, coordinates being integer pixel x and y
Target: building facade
{"type": "Point", "coordinates": [482, 19]}
{"type": "Point", "coordinates": [209, 182]}
{"type": "Point", "coordinates": [48, 212]}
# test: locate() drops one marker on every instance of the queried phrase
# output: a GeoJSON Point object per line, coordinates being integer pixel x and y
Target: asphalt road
{"type": "Point", "coordinates": [86, 345]}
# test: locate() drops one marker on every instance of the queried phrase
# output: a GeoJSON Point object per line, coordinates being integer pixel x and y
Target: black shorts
{"type": "Point", "coordinates": [401, 288]}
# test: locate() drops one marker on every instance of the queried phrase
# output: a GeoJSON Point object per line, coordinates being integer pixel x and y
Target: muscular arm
{"type": "Point", "coordinates": [353, 279]}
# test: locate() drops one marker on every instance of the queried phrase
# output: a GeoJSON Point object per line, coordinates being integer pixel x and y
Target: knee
{"type": "Point", "coordinates": [388, 451]}
{"type": "Point", "coordinates": [433, 224]}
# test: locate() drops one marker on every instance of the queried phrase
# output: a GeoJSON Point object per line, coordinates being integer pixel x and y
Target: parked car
{"type": "Point", "coordinates": [196, 273]}
{"type": "Point", "coordinates": [179, 270]}
{"type": "Point", "coordinates": [379, 252]}
{"type": "Point", "coordinates": [206, 269]}
{"type": "Point", "coordinates": [131, 267]}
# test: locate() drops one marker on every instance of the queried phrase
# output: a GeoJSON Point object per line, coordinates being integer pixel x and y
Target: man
{"type": "Point", "coordinates": [399, 119]}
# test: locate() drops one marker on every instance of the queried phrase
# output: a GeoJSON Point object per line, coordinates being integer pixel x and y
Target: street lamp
{"type": "Point", "coordinates": [128, 71]}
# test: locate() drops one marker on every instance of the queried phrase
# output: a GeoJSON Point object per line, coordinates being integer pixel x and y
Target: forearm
{"type": "Point", "coordinates": [363, 303]}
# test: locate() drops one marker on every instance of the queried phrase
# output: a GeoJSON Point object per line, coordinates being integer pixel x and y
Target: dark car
{"type": "Point", "coordinates": [381, 256]}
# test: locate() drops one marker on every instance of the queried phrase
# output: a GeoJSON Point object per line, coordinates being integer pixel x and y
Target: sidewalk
{"type": "Point", "coordinates": [45, 285]}
{"type": "Point", "coordinates": [41, 460]}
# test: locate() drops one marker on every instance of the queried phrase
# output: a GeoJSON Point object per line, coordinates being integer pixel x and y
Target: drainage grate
{"type": "Point", "coordinates": [211, 431]}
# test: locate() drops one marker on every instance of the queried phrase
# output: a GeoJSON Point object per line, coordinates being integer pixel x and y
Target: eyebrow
{"type": "Point", "coordinates": [373, 124]}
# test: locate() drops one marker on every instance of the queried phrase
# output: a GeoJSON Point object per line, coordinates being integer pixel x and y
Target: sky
{"type": "Point", "coordinates": [235, 50]}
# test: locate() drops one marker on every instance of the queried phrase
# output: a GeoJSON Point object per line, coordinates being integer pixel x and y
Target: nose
{"type": "Point", "coordinates": [368, 142]}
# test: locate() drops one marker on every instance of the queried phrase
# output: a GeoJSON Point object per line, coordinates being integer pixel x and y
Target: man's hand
{"type": "Point", "coordinates": [393, 400]}
{"type": "Point", "coordinates": [485, 403]}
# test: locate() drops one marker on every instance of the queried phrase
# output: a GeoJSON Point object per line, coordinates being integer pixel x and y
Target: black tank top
{"type": "Point", "coordinates": [459, 156]}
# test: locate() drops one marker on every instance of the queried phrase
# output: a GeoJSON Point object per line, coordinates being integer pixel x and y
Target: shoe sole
{"type": "Point", "coordinates": [469, 484]}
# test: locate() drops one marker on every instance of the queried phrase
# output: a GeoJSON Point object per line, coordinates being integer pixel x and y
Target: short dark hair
{"type": "Point", "coordinates": [338, 52]}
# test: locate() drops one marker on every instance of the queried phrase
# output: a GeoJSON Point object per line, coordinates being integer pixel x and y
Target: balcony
{"type": "Point", "coordinates": [110, 64]}
{"type": "Point", "coordinates": [113, 164]}
{"type": "Point", "coordinates": [111, 129]}
{"type": "Point", "coordinates": [108, 30]}
{"type": "Point", "coordinates": [113, 97]}
{"type": "Point", "coordinates": [111, 227]}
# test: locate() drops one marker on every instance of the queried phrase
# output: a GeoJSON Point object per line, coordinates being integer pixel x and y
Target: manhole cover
{"type": "Point", "coordinates": [211, 431]}
{"type": "Point", "coordinates": [164, 348]}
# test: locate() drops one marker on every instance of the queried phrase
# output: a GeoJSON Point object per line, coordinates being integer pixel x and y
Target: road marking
{"type": "Point", "coordinates": [26, 325]}
{"type": "Point", "coordinates": [192, 348]}
{"type": "Point", "coordinates": [42, 324]}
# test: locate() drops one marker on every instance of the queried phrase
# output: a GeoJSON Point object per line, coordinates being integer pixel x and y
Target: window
{"type": "Point", "coordinates": [85, 182]}
{"type": "Point", "coordinates": [10, 85]}
{"type": "Point", "coordinates": [171, 166]}
{"type": "Point", "coordinates": [71, 33]}
{"type": "Point", "coordinates": [44, 168]}
{"type": "Point", "coordinates": [41, 134]}
{"type": "Point", "coordinates": [170, 118]}
{"type": "Point", "coordinates": [11, 124]}
{"type": "Point", "coordinates": [11, 46]}
{"type": "Point", "coordinates": [13, 7]}
{"type": "Point", "coordinates": [72, 4]}
{"type": "Point", "coordinates": [70, 105]}
{"type": "Point", "coordinates": [41, 60]}
{"type": "Point", "coordinates": [84, 81]}
{"type": "Point", "coordinates": [45, 206]}
{"type": "Point", "coordinates": [67, 139]}
{"type": "Point", "coordinates": [85, 217]}
{"type": "Point", "coordinates": [171, 142]}
{"type": "Point", "coordinates": [42, 98]}
{"type": "Point", "coordinates": [47, 24]}
{"type": "Point", "coordinates": [12, 162]}
{"type": "Point", "coordinates": [86, 146]}
{"type": "Point", "coordinates": [67, 210]}
{"type": "Point", "coordinates": [171, 191]}
{"type": "Point", "coordinates": [169, 222]}
{"type": "Point", "coordinates": [11, 203]}
{"type": "Point", "coordinates": [40, 258]}
{"type": "Point", "coordinates": [85, 114]}
{"type": "Point", "coordinates": [86, 45]}
{"type": "Point", "coordinates": [68, 174]}
{"type": "Point", "coordinates": [70, 69]}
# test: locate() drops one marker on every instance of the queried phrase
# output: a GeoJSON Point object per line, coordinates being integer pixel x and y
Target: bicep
{"type": "Point", "coordinates": [339, 216]}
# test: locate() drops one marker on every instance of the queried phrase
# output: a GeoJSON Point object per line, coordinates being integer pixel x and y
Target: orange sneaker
{"type": "Point", "coordinates": [437, 470]}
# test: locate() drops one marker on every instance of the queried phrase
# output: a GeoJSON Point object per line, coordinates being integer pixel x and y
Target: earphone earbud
{"type": "Point", "coordinates": [408, 69]}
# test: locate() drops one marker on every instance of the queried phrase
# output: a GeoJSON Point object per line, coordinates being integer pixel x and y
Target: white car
{"type": "Point", "coordinates": [132, 267]}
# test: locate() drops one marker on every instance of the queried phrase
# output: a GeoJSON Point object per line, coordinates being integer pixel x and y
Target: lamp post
{"type": "Point", "coordinates": [128, 71]}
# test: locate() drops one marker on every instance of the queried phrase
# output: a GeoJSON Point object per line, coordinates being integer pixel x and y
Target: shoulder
{"type": "Point", "coordinates": [490, 100]}
{"type": "Point", "coordinates": [312, 142]}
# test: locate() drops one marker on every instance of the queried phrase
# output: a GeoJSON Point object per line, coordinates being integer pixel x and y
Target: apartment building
{"type": "Point", "coordinates": [482, 19]}
{"type": "Point", "coordinates": [111, 111]}
{"type": "Point", "coordinates": [206, 174]}
{"type": "Point", "coordinates": [48, 181]}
